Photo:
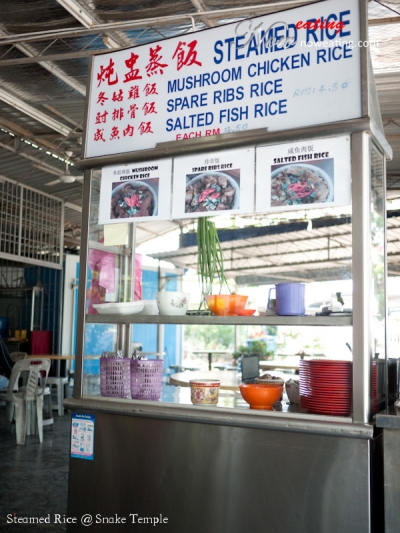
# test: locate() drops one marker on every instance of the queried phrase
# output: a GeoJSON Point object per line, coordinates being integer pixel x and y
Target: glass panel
{"type": "Point", "coordinates": [377, 216]}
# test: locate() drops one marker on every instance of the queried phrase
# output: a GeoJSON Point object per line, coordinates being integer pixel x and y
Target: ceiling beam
{"type": "Point", "coordinates": [87, 19]}
{"type": "Point", "coordinates": [49, 66]}
{"type": "Point", "coordinates": [34, 113]}
{"type": "Point", "coordinates": [38, 164]}
{"type": "Point", "coordinates": [261, 9]}
{"type": "Point", "coordinates": [199, 5]}
{"type": "Point", "coordinates": [26, 134]}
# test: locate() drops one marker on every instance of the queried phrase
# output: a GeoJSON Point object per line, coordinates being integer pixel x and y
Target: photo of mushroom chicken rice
{"type": "Point", "coordinates": [299, 185]}
{"type": "Point", "coordinates": [132, 201]}
{"type": "Point", "coordinates": [212, 191]}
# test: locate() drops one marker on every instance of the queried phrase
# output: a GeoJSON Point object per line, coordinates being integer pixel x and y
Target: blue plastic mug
{"type": "Point", "coordinates": [289, 299]}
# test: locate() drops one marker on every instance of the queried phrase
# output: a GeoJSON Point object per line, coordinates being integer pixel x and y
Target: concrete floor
{"type": "Point", "coordinates": [34, 477]}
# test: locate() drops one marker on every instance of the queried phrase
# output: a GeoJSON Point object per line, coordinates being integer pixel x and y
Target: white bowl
{"type": "Point", "coordinates": [172, 303]}
{"type": "Point", "coordinates": [119, 308]}
{"type": "Point", "coordinates": [292, 391]}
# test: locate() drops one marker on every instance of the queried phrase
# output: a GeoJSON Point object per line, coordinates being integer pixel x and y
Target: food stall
{"type": "Point", "coordinates": [245, 98]}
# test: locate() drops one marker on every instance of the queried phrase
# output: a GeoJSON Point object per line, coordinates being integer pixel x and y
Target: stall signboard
{"type": "Point", "coordinates": [135, 192]}
{"type": "Point", "coordinates": [214, 183]}
{"type": "Point", "coordinates": [303, 175]}
{"type": "Point", "coordinates": [291, 69]}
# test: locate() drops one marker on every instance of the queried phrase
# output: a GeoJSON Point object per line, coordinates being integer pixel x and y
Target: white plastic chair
{"type": "Point", "coordinates": [31, 392]}
{"type": "Point", "coordinates": [16, 356]}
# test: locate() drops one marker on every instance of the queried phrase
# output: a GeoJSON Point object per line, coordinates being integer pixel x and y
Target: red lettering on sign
{"type": "Point", "coordinates": [128, 131]}
{"type": "Point", "coordinates": [101, 98]}
{"type": "Point", "coordinates": [114, 133]}
{"type": "Point", "coordinates": [133, 73]}
{"type": "Point", "coordinates": [98, 136]}
{"type": "Point", "coordinates": [186, 54]}
{"type": "Point", "coordinates": [101, 117]}
{"type": "Point", "coordinates": [107, 73]}
{"type": "Point", "coordinates": [118, 97]}
{"type": "Point", "coordinates": [133, 92]}
{"type": "Point", "coordinates": [149, 107]}
{"type": "Point", "coordinates": [150, 88]}
{"type": "Point", "coordinates": [145, 127]}
{"type": "Point", "coordinates": [132, 110]}
{"type": "Point", "coordinates": [118, 114]}
{"type": "Point", "coordinates": [154, 66]}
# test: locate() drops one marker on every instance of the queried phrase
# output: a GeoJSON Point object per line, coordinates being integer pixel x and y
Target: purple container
{"type": "Point", "coordinates": [289, 299]}
{"type": "Point", "coordinates": [115, 377]}
{"type": "Point", "coordinates": [146, 378]}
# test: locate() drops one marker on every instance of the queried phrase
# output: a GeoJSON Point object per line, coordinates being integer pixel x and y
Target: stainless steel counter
{"type": "Point", "coordinates": [389, 420]}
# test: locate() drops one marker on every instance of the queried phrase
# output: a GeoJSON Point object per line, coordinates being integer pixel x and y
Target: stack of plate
{"type": "Point", "coordinates": [375, 397]}
{"type": "Point", "coordinates": [326, 386]}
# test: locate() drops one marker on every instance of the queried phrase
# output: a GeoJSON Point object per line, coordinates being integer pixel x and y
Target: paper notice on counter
{"type": "Point", "coordinates": [82, 436]}
{"type": "Point", "coordinates": [214, 183]}
{"type": "Point", "coordinates": [116, 235]}
{"type": "Point", "coordinates": [135, 192]}
{"type": "Point", "coordinates": [308, 174]}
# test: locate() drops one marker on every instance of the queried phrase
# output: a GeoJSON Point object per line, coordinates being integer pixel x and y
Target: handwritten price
{"type": "Point", "coordinates": [307, 91]}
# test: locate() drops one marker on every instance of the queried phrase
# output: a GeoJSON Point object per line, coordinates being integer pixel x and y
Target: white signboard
{"type": "Point", "coordinates": [136, 192]}
{"type": "Point", "coordinates": [214, 184]}
{"type": "Point", "coordinates": [286, 70]}
{"type": "Point", "coordinates": [304, 175]}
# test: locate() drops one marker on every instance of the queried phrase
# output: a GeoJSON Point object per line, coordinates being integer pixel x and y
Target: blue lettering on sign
{"type": "Point", "coordinates": [256, 41]}
{"type": "Point", "coordinates": [333, 54]}
{"type": "Point", "coordinates": [228, 95]}
{"type": "Point", "coordinates": [233, 114]}
{"type": "Point", "coordinates": [277, 65]}
{"type": "Point", "coordinates": [187, 102]}
{"type": "Point", "coordinates": [189, 122]}
{"type": "Point", "coordinates": [213, 78]}
{"type": "Point", "coordinates": [270, 108]}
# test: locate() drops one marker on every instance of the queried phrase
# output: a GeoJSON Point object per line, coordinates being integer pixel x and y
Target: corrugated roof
{"type": "Point", "coordinates": [55, 88]}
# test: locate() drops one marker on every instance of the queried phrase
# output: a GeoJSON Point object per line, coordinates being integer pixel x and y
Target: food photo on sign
{"type": "Point", "coordinates": [134, 199]}
{"type": "Point", "coordinates": [213, 184]}
{"type": "Point", "coordinates": [303, 184]}
{"type": "Point", "coordinates": [135, 192]}
{"type": "Point", "coordinates": [212, 191]}
{"type": "Point", "coordinates": [304, 175]}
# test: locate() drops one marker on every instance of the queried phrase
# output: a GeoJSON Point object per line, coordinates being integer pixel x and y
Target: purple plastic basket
{"type": "Point", "coordinates": [146, 378]}
{"type": "Point", "coordinates": [115, 377]}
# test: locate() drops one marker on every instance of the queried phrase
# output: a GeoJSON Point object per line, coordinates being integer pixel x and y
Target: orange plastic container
{"type": "Point", "coordinates": [226, 304]}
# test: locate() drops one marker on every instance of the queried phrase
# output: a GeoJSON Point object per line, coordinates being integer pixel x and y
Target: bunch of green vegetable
{"type": "Point", "coordinates": [210, 258]}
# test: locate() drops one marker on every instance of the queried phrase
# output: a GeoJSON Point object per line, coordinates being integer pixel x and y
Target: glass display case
{"type": "Point", "coordinates": [112, 271]}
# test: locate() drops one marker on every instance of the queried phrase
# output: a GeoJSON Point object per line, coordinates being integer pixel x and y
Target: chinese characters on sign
{"type": "Point", "coordinates": [132, 116]}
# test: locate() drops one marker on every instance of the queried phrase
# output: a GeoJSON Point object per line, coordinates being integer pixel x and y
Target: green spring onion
{"type": "Point", "coordinates": [210, 258]}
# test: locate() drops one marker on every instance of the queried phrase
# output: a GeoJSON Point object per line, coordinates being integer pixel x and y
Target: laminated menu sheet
{"type": "Point", "coordinates": [303, 175]}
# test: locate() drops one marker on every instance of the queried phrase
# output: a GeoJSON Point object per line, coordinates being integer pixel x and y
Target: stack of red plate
{"type": "Point", "coordinates": [375, 404]}
{"type": "Point", "coordinates": [326, 386]}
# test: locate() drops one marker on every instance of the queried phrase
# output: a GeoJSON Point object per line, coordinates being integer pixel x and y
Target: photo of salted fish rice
{"type": "Point", "coordinates": [300, 184]}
